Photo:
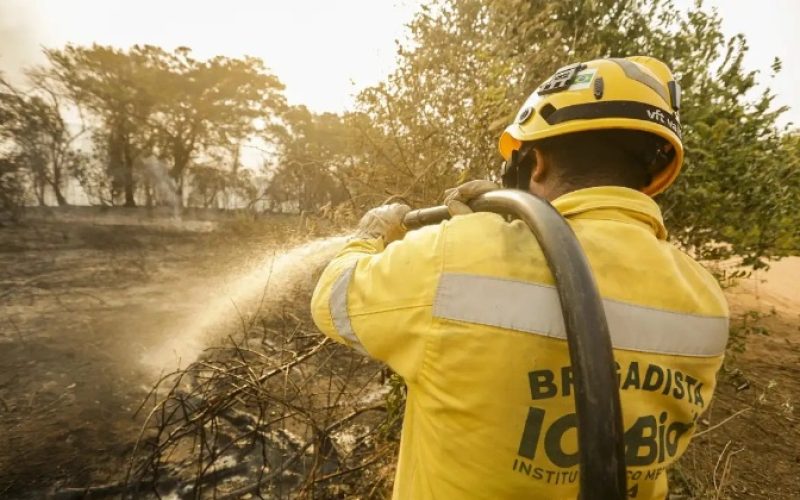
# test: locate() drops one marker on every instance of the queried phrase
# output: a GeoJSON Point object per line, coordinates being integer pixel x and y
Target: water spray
{"type": "Point", "coordinates": [241, 296]}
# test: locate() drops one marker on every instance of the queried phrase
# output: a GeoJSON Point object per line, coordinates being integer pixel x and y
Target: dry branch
{"type": "Point", "coordinates": [276, 411]}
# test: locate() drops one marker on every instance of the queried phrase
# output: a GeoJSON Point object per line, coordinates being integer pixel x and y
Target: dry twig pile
{"type": "Point", "coordinates": [279, 412]}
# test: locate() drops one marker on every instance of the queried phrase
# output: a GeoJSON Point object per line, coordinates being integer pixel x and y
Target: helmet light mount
{"type": "Point", "coordinates": [674, 95]}
{"type": "Point", "coordinates": [525, 114]}
{"type": "Point", "coordinates": [561, 80]}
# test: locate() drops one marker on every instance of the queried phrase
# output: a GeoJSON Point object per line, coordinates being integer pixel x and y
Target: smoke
{"type": "Point", "coordinates": [166, 189]}
{"type": "Point", "coordinates": [19, 38]}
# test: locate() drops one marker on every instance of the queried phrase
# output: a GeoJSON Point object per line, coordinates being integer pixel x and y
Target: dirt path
{"type": "Point", "coordinates": [752, 445]}
{"type": "Point", "coordinates": [82, 300]}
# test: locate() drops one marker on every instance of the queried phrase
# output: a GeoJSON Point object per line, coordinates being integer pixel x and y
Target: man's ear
{"type": "Point", "coordinates": [540, 167]}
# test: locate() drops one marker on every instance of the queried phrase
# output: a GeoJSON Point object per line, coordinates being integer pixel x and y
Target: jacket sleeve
{"type": "Point", "coordinates": [378, 300]}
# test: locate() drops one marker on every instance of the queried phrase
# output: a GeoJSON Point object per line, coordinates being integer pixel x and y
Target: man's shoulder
{"type": "Point", "coordinates": [487, 244]}
{"type": "Point", "coordinates": [657, 273]}
{"type": "Point", "coordinates": [703, 281]}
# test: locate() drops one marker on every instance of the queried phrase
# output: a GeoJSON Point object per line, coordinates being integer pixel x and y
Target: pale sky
{"type": "Point", "coordinates": [772, 28]}
{"type": "Point", "coordinates": [324, 51]}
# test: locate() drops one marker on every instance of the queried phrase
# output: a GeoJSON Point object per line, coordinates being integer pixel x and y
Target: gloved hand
{"type": "Point", "coordinates": [456, 198]}
{"type": "Point", "coordinates": [384, 222]}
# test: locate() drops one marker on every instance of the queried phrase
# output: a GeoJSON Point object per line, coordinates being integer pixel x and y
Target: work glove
{"type": "Point", "coordinates": [457, 198]}
{"type": "Point", "coordinates": [384, 222]}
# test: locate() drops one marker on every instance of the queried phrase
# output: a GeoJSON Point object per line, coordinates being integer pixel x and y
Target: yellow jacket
{"type": "Point", "coordinates": [467, 314]}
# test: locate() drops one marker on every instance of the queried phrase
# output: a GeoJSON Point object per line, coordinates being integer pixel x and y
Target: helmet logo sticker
{"type": "Point", "coordinates": [611, 109]}
{"type": "Point", "coordinates": [658, 116]}
{"type": "Point", "coordinates": [583, 79]}
{"type": "Point", "coordinates": [563, 78]}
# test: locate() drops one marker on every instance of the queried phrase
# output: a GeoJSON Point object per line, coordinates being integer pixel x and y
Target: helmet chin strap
{"type": "Point", "coordinates": [518, 169]}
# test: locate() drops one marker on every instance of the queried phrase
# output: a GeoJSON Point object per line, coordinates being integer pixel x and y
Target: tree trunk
{"type": "Point", "coordinates": [62, 202]}
{"type": "Point", "coordinates": [130, 201]}
{"type": "Point", "coordinates": [39, 186]}
{"type": "Point", "coordinates": [56, 185]}
{"type": "Point", "coordinates": [127, 178]}
{"type": "Point", "coordinates": [179, 165]}
{"type": "Point", "coordinates": [57, 158]}
{"type": "Point", "coordinates": [179, 194]}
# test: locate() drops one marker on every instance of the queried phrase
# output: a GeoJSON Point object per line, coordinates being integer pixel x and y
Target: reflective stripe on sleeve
{"type": "Point", "coordinates": [534, 308]}
{"type": "Point", "coordinates": [338, 306]}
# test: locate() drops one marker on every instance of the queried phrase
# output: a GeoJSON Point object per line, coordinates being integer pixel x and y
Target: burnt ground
{"type": "Point", "coordinates": [86, 295]}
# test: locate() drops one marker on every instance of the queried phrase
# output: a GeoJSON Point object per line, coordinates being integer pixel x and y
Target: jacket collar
{"type": "Point", "coordinates": [612, 203]}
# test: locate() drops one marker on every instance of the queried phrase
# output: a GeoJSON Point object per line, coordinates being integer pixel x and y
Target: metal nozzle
{"type": "Point", "coordinates": [415, 219]}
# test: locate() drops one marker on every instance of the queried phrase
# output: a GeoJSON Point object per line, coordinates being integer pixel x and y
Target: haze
{"type": "Point", "coordinates": [324, 51]}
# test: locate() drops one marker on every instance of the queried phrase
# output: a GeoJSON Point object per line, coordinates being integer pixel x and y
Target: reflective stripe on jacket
{"type": "Point", "coordinates": [467, 314]}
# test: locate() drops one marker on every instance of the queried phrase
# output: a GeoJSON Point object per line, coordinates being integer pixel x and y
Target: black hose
{"type": "Point", "coordinates": [600, 432]}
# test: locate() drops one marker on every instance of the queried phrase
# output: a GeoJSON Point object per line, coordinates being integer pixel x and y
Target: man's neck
{"type": "Point", "coordinates": [556, 189]}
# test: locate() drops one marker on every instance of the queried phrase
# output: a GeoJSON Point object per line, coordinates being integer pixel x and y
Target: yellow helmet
{"type": "Point", "coordinates": [637, 93]}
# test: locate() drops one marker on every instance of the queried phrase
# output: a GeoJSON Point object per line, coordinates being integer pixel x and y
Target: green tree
{"type": "Point", "coordinates": [199, 105]}
{"type": "Point", "coordinates": [429, 122]}
{"type": "Point", "coordinates": [148, 101]}
{"type": "Point", "coordinates": [41, 140]}
{"type": "Point", "coordinates": [109, 83]}
{"type": "Point", "coordinates": [470, 64]}
{"type": "Point", "coordinates": [316, 156]}
{"type": "Point", "coordinates": [12, 190]}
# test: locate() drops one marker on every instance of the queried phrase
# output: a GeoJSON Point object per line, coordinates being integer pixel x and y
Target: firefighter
{"type": "Point", "coordinates": [466, 311]}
